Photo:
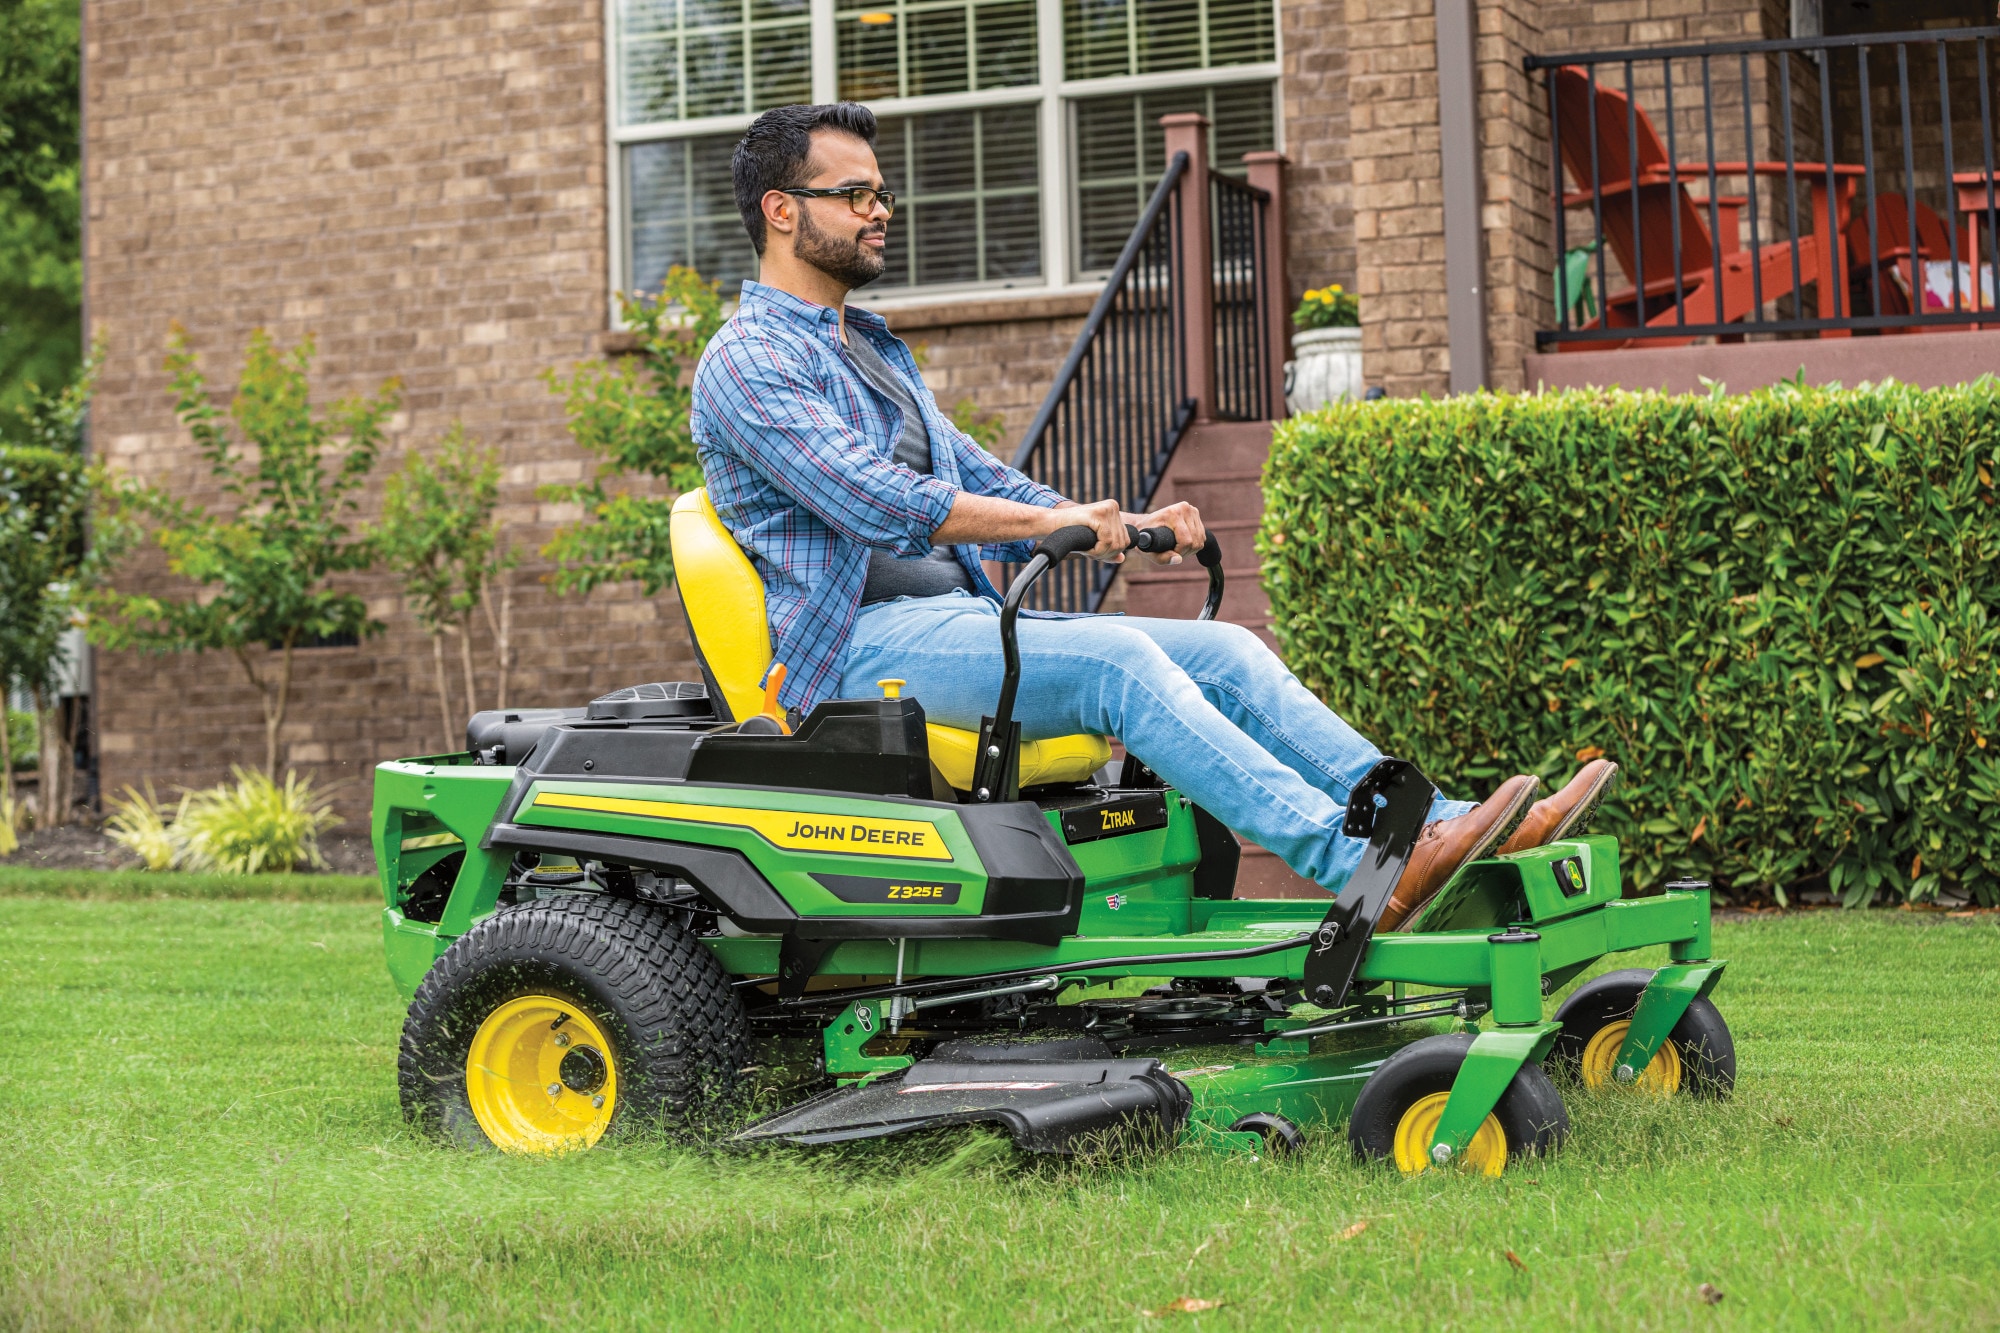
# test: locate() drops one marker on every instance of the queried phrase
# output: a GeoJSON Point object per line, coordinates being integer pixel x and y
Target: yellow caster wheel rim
{"type": "Point", "coordinates": [1486, 1154]}
{"type": "Point", "coordinates": [1661, 1078]}
{"type": "Point", "coordinates": [541, 1077]}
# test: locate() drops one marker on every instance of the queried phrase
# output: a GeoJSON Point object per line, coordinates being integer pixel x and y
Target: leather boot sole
{"type": "Point", "coordinates": [1567, 811]}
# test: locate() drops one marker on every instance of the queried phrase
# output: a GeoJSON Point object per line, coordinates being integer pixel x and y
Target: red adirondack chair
{"type": "Point", "coordinates": [1897, 260]}
{"type": "Point", "coordinates": [1718, 280]}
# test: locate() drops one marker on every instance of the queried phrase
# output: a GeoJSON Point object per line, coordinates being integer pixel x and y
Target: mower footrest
{"type": "Point", "coordinates": [1047, 1105]}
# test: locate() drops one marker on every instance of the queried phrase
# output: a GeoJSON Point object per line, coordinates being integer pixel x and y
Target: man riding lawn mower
{"type": "Point", "coordinates": [885, 828]}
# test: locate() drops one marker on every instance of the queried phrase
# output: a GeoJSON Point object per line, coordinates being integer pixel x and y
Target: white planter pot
{"type": "Point", "coordinates": [1325, 368]}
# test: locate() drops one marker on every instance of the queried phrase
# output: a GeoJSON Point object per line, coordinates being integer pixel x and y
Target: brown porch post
{"type": "Point", "coordinates": [1267, 173]}
{"type": "Point", "coordinates": [1187, 132]}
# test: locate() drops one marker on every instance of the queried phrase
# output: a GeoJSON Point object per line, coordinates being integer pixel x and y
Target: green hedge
{"type": "Point", "coordinates": [1777, 611]}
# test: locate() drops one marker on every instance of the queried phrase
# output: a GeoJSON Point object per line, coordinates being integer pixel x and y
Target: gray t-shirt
{"type": "Point", "coordinates": [890, 575]}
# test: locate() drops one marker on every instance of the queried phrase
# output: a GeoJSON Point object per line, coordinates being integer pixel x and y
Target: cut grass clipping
{"type": "Point", "coordinates": [204, 1135]}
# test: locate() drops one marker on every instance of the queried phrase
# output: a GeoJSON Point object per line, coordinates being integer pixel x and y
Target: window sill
{"type": "Point", "coordinates": [935, 313]}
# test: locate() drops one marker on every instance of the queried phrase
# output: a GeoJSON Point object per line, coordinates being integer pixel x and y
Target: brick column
{"type": "Point", "coordinates": [1187, 132]}
{"type": "Point", "coordinates": [1399, 191]}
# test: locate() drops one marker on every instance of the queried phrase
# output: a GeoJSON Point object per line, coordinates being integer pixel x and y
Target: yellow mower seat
{"type": "Point", "coordinates": [724, 600]}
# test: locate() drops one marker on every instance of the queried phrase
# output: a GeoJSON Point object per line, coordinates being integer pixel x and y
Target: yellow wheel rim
{"type": "Point", "coordinates": [541, 1077]}
{"type": "Point", "coordinates": [1486, 1154]}
{"type": "Point", "coordinates": [1661, 1078]}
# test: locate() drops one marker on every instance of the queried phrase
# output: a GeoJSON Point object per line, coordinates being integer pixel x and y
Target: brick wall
{"type": "Point", "coordinates": [1319, 213]}
{"type": "Point", "coordinates": [421, 186]}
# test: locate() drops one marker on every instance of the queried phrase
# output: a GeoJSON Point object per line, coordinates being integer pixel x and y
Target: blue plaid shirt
{"type": "Point", "coordinates": [798, 450]}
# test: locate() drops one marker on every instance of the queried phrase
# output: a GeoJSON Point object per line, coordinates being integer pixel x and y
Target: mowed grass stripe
{"type": "Point", "coordinates": [205, 1135]}
{"type": "Point", "coordinates": [39, 882]}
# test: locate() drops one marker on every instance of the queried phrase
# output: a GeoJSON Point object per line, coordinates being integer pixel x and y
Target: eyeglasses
{"type": "Point", "coordinates": [859, 197]}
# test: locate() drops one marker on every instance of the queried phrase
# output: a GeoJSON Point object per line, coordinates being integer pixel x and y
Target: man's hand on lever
{"type": "Point", "coordinates": [983, 519]}
{"type": "Point", "coordinates": [1183, 520]}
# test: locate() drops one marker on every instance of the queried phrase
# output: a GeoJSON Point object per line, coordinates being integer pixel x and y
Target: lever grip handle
{"type": "Point", "coordinates": [1065, 542]}
{"type": "Point", "coordinates": [1150, 540]}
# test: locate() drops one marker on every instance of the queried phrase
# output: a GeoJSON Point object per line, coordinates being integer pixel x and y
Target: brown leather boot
{"type": "Point", "coordinates": [1566, 812]}
{"type": "Point", "coordinates": [1447, 844]}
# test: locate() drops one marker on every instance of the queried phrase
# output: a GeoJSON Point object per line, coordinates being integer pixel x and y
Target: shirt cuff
{"type": "Point", "coordinates": [931, 501]}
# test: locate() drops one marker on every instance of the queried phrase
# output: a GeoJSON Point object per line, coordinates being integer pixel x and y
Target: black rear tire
{"type": "Point", "coordinates": [1701, 1039]}
{"type": "Point", "coordinates": [1530, 1113]}
{"type": "Point", "coordinates": [661, 1002]}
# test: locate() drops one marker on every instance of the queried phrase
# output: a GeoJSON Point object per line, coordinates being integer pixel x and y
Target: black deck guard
{"type": "Point", "coordinates": [1047, 1105]}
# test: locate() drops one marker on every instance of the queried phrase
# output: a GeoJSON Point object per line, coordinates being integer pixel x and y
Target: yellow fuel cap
{"type": "Point", "coordinates": [892, 688]}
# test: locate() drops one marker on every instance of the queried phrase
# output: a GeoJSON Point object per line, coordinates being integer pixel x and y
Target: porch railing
{"type": "Point", "coordinates": [1185, 329]}
{"type": "Point", "coordinates": [1865, 175]}
{"type": "Point", "coordinates": [1242, 300]}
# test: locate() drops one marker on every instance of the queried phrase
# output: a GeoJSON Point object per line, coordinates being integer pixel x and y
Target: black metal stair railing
{"type": "Point", "coordinates": [1242, 378]}
{"type": "Point", "coordinates": [1121, 402]}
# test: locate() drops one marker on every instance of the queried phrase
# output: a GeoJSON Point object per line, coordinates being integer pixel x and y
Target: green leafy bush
{"type": "Point", "coordinates": [145, 828]}
{"type": "Point", "coordinates": [631, 413]}
{"type": "Point", "coordinates": [1776, 611]}
{"type": "Point", "coordinates": [253, 825]}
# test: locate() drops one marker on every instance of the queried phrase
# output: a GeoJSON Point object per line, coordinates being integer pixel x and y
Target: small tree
{"type": "Point", "coordinates": [438, 534]}
{"type": "Point", "coordinates": [632, 413]}
{"type": "Point", "coordinates": [263, 567]}
{"type": "Point", "coordinates": [45, 564]}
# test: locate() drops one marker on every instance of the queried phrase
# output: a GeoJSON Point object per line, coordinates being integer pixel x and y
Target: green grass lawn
{"type": "Point", "coordinates": [204, 1134]}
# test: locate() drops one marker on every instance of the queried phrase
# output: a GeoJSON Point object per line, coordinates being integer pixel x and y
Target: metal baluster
{"type": "Point", "coordinates": [1632, 185]}
{"type": "Point", "coordinates": [1564, 297]}
{"type": "Point", "coordinates": [1919, 305]}
{"type": "Point", "coordinates": [1750, 188]}
{"type": "Point", "coordinates": [1986, 159]}
{"type": "Point", "coordinates": [1830, 302]}
{"type": "Point", "coordinates": [1597, 199]}
{"type": "Point", "coordinates": [1714, 209]}
{"type": "Point", "coordinates": [1868, 175]}
{"type": "Point", "coordinates": [1950, 185]}
{"type": "Point", "coordinates": [1674, 195]}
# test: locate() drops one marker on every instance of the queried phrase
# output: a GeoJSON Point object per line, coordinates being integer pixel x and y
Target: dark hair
{"type": "Point", "coordinates": [773, 153]}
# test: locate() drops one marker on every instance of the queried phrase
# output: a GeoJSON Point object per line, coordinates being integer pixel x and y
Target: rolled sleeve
{"type": "Point", "coordinates": [781, 423]}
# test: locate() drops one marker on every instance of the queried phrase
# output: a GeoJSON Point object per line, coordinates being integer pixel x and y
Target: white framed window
{"type": "Point", "coordinates": [1021, 136]}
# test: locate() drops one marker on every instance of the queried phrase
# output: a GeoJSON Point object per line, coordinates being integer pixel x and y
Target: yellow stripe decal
{"type": "Point", "coordinates": [794, 830]}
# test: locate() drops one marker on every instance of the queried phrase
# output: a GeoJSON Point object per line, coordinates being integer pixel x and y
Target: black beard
{"type": "Point", "coordinates": [847, 260]}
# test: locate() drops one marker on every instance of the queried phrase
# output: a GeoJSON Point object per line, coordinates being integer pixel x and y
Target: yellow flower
{"type": "Point", "coordinates": [1334, 288]}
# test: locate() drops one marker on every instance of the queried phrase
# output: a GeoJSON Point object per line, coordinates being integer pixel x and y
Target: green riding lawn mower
{"type": "Point", "coordinates": [665, 908]}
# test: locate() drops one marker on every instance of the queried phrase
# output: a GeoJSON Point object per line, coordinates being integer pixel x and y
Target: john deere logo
{"type": "Point", "coordinates": [1569, 876]}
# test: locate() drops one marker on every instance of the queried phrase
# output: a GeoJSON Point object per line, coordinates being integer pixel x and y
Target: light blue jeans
{"type": "Point", "coordinates": [1206, 705]}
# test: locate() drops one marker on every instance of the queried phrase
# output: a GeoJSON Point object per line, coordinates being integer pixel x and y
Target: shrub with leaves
{"type": "Point", "coordinates": [1780, 612]}
{"type": "Point", "coordinates": [438, 534]}
{"type": "Point", "coordinates": [49, 558]}
{"type": "Point", "coordinates": [631, 413]}
{"type": "Point", "coordinates": [262, 564]}
{"type": "Point", "coordinates": [253, 825]}
{"type": "Point", "coordinates": [145, 828]}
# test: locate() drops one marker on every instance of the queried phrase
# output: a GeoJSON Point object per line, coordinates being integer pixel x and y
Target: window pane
{"type": "Point", "coordinates": [1104, 38]}
{"type": "Point", "coordinates": [868, 59]}
{"type": "Point", "coordinates": [679, 59]}
{"type": "Point", "coordinates": [938, 61]}
{"type": "Point", "coordinates": [1120, 152]}
{"type": "Point", "coordinates": [682, 212]}
{"type": "Point", "coordinates": [1006, 44]}
{"type": "Point", "coordinates": [918, 48]}
{"type": "Point", "coordinates": [782, 73]}
{"type": "Point", "coordinates": [968, 206]}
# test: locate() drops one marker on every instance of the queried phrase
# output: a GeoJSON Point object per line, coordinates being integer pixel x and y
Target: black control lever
{"type": "Point", "coordinates": [996, 769]}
